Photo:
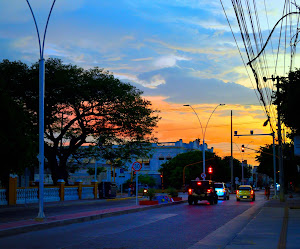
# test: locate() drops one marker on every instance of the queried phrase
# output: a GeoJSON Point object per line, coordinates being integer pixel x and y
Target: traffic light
{"type": "Point", "coordinates": [210, 170]}
{"type": "Point", "coordinates": [243, 148]}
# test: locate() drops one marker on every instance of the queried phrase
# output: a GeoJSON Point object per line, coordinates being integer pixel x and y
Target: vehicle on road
{"type": "Point", "coordinates": [221, 190]}
{"type": "Point", "coordinates": [202, 190]}
{"type": "Point", "coordinates": [245, 192]}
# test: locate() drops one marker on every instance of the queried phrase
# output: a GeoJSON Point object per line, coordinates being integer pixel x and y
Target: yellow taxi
{"type": "Point", "coordinates": [245, 192]}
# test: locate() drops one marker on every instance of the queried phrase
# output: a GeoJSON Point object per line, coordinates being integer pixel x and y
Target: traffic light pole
{"type": "Point", "coordinates": [274, 155]}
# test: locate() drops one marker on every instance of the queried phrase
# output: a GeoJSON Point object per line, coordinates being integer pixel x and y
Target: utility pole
{"type": "Point", "coordinates": [280, 159]}
{"type": "Point", "coordinates": [231, 158]}
{"type": "Point", "coordinates": [280, 155]}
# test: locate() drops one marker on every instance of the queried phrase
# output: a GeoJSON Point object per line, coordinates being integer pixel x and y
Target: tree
{"type": "Point", "coordinates": [287, 99]}
{"type": "Point", "coordinates": [81, 106]}
{"type": "Point", "coordinates": [18, 147]}
{"type": "Point", "coordinates": [265, 159]}
{"type": "Point", "coordinates": [91, 171]}
{"type": "Point", "coordinates": [147, 180]}
{"type": "Point", "coordinates": [173, 169]}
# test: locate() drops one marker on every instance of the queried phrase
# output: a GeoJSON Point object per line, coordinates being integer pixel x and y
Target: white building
{"type": "Point", "coordinates": [160, 153]}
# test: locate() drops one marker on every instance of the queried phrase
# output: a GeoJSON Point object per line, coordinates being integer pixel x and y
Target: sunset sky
{"type": "Point", "coordinates": [176, 51]}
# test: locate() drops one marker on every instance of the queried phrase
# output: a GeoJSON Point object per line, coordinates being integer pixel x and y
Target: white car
{"type": "Point", "coordinates": [222, 190]}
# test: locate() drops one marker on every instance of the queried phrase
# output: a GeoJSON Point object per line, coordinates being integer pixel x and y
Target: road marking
{"type": "Point", "coordinates": [226, 233]}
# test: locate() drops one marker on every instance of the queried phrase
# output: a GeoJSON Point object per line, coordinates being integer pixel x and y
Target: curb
{"type": "Point", "coordinates": [51, 224]}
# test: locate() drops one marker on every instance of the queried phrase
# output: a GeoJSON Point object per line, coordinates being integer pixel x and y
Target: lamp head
{"type": "Point", "coordinates": [186, 105]}
{"type": "Point", "coordinates": [221, 104]}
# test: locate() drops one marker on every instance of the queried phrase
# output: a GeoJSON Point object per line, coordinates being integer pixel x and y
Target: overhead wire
{"type": "Point", "coordinates": [243, 58]}
{"type": "Point", "coordinates": [238, 8]}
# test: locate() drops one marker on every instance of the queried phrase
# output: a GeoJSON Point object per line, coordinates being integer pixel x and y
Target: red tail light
{"type": "Point", "coordinates": [224, 190]}
{"type": "Point", "coordinates": [198, 183]}
{"type": "Point", "coordinates": [237, 192]}
{"type": "Point", "coordinates": [252, 192]}
{"type": "Point", "coordinates": [190, 191]}
{"type": "Point", "coordinates": [209, 191]}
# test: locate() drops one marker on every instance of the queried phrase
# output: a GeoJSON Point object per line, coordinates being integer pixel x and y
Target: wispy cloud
{"type": "Point", "coordinates": [143, 59]}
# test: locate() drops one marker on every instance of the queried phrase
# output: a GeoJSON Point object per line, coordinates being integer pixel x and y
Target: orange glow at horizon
{"type": "Point", "coordinates": [180, 122]}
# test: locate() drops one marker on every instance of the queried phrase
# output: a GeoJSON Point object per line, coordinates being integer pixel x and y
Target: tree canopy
{"type": "Point", "coordinates": [81, 107]}
{"type": "Point", "coordinates": [287, 99]}
{"type": "Point", "coordinates": [265, 159]}
{"type": "Point", "coordinates": [18, 147]}
{"type": "Point", "coordinates": [193, 164]}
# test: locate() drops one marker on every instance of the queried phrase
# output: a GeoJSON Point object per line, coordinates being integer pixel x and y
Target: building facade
{"type": "Point", "coordinates": [160, 153]}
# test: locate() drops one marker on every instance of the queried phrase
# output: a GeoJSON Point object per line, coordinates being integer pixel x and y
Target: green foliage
{"type": "Point", "coordinates": [173, 169]}
{"type": "Point", "coordinates": [288, 100]}
{"type": "Point", "coordinates": [265, 159]}
{"type": "Point", "coordinates": [290, 162]}
{"type": "Point", "coordinates": [173, 192]}
{"type": "Point", "coordinates": [18, 139]}
{"type": "Point", "coordinates": [91, 171]}
{"type": "Point", "coordinates": [147, 179]}
{"type": "Point", "coordinates": [79, 104]}
{"type": "Point", "coordinates": [151, 193]}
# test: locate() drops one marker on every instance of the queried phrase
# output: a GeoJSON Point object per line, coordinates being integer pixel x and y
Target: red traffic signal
{"type": "Point", "coordinates": [243, 148]}
{"type": "Point", "coordinates": [210, 170]}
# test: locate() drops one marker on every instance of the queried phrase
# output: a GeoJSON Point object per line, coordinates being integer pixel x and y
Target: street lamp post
{"type": "Point", "coordinates": [243, 158]}
{"type": "Point", "coordinates": [203, 133]}
{"type": "Point", "coordinates": [41, 214]}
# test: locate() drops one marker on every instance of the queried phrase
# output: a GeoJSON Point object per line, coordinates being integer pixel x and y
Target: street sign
{"type": "Point", "coordinates": [236, 178]}
{"type": "Point", "coordinates": [237, 182]}
{"type": "Point", "coordinates": [203, 175]}
{"type": "Point", "coordinates": [136, 166]}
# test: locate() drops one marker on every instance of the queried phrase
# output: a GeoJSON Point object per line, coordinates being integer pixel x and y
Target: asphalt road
{"type": "Point", "coordinates": [178, 226]}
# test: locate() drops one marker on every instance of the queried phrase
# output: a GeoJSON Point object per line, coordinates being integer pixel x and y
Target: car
{"type": "Point", "coordinates": [199, 190]}
{"type": "Point", "coordinates": [222, 190]}
{"type": "Point", "coordinates": [245, 192]}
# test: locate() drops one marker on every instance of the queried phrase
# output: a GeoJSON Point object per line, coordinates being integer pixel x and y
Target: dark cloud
{"type": "Point", "coordinates": [181, 87]}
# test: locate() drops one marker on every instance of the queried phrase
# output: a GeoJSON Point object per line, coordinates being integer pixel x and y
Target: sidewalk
{"type": "Point", "coordinates": [73, 214]}
{"type": "Point", "coordinates": [277, 225]}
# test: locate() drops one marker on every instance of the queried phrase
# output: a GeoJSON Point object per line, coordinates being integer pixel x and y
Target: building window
{"type": "Point", "coordinates": [161, 157]}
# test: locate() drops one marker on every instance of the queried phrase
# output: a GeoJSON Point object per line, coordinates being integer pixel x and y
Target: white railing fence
{"type": "Point", "coordinates": [3, 200]}
{"type": "Point", "coordinates": [27, 195]}
{"type": "Point", "coordinates": [71, 193]}
{"type": "Point", "coordinates": [51, 194]}
{"type": "Point", "coordinates": [87, 193]}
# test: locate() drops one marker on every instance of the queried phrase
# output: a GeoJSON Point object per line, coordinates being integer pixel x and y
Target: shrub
{"type": "Point", "coordinates": [151, 193]}
{"type": "Point", "coordinates": [173, 192]}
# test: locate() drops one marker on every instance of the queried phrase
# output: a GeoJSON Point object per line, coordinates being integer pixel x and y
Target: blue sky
{"type": "Point", "coordinates": [177, 51]}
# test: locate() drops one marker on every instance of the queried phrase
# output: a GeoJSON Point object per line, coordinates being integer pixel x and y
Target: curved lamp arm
{"type": "Point", "coordinates": [209, 119]}
{"type": "Point", "coordinates": [198, 119]}
{"type": "Point", "coordinates": [41, 46]}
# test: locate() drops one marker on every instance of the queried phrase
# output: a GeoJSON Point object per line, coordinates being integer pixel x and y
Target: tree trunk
{"type": "Point", "coordinates": [63, 169]}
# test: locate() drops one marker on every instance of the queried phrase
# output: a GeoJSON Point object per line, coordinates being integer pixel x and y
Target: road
{"type": "Point", "coordinates": [177, 226]}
